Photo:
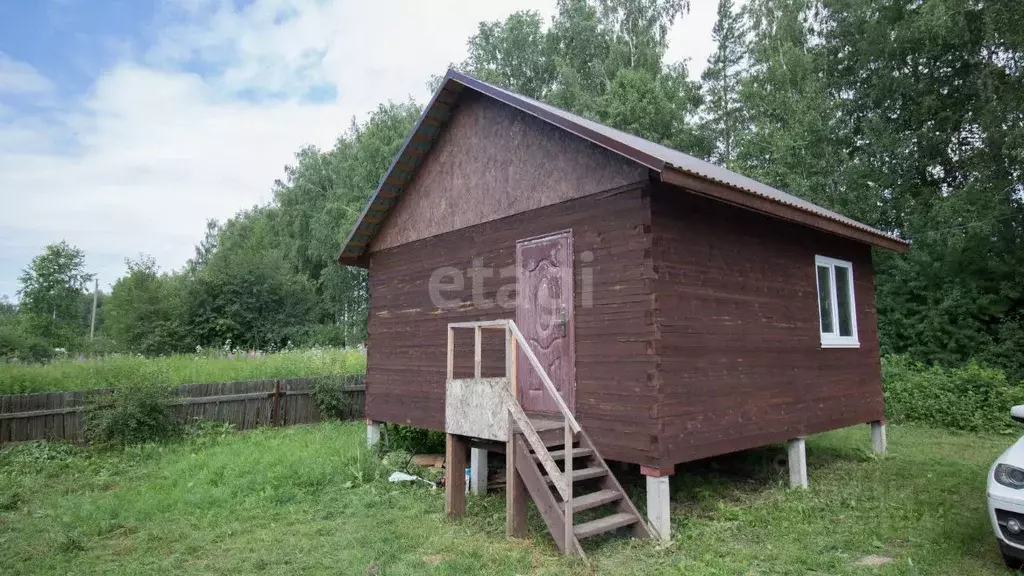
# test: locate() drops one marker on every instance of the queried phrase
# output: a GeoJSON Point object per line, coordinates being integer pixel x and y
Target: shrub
{"type": "Point", "coordinates": [133, 414]}
{"type": "Point", "coordinates": [414, 440]}
{"type": "Point", "coordinates": [323, 335]}
{"type": "Point", "coordinates": [16, 343]}
{"type": "Point", "coordinates": [330, 400]}
{"type": "Point", "coordinates": [971, 398]}
{"type": "Point", "coordinates": [98, 346]}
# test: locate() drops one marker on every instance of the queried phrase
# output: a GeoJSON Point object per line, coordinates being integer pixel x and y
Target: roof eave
{"type": "Point", "coordinates": [353, 253]}
{"type": "Point", "coordinates": [758, 203]}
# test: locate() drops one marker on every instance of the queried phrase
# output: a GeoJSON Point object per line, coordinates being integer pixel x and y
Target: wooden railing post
{"type": "Point", "coordinates": [515, 487]}
{"type": "Point", "coordinates": [570, 549]}
{"type": "Point", "coordinates": [451, 352]}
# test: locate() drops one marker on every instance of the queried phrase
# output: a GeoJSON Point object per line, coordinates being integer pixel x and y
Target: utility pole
{"type": "Point", "coordinates": [95, 296]}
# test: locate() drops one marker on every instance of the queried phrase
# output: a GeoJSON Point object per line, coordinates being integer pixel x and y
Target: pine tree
{"type": "Point", "coordinates": [721, 82]}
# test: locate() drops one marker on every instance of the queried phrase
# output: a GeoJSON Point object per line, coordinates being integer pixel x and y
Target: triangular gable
{"type": "Point", "coordinates": [669, 165]}
{"type": "Point", "coordinates": [493, 161]}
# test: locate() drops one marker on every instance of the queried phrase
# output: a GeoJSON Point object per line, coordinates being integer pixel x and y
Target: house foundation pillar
{"type": "Point", "coordinates": [798, 462]}
{"type": "Point", "coordinates": [372, 433]}
{"type": "Point", "coordinates": [478, 471]}
{"type": "Point", "coordinates": [659, 504]}
{"type": "Point", "coordinates": [878, 440]}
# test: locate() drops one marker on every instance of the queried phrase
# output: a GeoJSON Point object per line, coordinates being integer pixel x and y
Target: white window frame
{"type": "Point", "coordinates": [833, 339]}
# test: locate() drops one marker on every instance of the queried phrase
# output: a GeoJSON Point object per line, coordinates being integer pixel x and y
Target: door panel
{"type": "Point", "coordinates": [544, 314]}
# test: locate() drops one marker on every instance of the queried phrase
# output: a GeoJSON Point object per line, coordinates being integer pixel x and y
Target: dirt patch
{"type": "Point", "coordinates": [873, 560]}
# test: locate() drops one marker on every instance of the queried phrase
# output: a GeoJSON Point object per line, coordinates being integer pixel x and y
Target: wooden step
{"type": "Point", "coordinates": [543, 424]}
{"type": "Point", "coordinates": [602, 525]}
{"type": "Point", "coordinates": [553, 437]}
{"type": "Point", "coordinates": [583, 474]}
{"type": "Point", "coordinates": [560, 454]}
{"type": "Point", "coordinates": [594, 499]}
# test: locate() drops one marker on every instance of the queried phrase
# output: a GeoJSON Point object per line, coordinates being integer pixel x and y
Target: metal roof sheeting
{"type": "Point", "coordinates": [650, 154]}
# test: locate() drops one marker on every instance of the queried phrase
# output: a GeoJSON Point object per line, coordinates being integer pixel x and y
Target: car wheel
{"type": "Point", "coordinates": [1012, 562]}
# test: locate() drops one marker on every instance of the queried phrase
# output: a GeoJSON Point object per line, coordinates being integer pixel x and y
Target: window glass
{"type": "Point", "coordinates": [825, 299]}
{"type": "Point", "coordinates": [843, 300]}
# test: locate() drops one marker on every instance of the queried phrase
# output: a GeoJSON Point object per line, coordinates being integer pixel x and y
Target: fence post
{"type": "Point", "coordinates": [277, 403]}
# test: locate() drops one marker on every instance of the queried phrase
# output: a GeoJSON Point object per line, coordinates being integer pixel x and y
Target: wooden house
{"type": "Point", "coordinates": [681, 310]}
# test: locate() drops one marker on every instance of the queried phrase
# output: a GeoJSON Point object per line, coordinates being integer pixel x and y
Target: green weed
{"type": "Point", "coordinates": [117, 371]}
{"type": "Point", "coordinates": [314, 500]}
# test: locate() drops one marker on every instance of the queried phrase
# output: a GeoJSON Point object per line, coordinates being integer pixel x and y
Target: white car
{"type": "Point", "coordinates": [1006, 498]}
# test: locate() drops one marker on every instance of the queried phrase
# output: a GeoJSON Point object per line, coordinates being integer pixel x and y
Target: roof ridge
{"type": "Point", "coordinates": [671, 165]}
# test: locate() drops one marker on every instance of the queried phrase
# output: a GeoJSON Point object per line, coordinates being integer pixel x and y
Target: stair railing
{"type": "Point", "coordinates": [563, 481]}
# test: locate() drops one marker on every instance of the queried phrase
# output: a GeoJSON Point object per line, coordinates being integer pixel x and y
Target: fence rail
{"type": "Point", "coordinates": [250, 404]}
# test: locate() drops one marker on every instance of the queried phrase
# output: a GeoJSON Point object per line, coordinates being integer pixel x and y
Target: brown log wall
{"type": "Point", "coordinates": [615, 365]}
{"type": "Point", "coordinates": [739, 351]}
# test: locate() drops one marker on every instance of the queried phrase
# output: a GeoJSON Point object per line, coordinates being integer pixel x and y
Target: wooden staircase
{"type": "Point", "coordinates": [552, 457]}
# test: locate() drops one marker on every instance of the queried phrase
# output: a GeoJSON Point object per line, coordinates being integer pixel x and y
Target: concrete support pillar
{"type": "Point", "coordinates": [798, 463]}
{"type": "Point", "coordinates": [478, 471]}
{"type": "Point", "coordinates": [372, 433]}
{"type": "Point", "coordinates": [659, 505]}
{"type": "Point", "coordinates": [878, 441]}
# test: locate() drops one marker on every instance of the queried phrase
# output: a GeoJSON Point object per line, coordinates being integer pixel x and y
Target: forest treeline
{"type": "Point", "coordinates": [908, 116]}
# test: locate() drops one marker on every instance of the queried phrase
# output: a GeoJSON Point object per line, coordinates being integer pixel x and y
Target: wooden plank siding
{"type": "Point", "coordinates": [615, 365]}
{"type": "Point", "coordinates": [740, 362]}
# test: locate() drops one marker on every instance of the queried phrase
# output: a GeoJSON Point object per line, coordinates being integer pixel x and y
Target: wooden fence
{"type": "Point", "coordinates": [58, 415]}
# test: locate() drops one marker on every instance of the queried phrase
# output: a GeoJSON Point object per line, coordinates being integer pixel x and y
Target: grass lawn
{"type": "Point", "coordinates": [303, 500]}
{"type": "Point", "coordinates": [119, 370]}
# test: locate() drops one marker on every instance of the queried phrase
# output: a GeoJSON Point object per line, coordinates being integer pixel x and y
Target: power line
{"type": "Point", "coordinates": [961, 226]}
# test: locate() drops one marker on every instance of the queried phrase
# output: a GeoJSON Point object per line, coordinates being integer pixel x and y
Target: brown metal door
{"type": "Point", "coordinates": [544, 314]}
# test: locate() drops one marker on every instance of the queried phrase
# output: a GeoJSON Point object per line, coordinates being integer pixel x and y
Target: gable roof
{"type": "Point", "coordinates": [671, 166]}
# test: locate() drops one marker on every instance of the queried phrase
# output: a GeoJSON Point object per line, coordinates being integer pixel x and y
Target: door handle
{"type": "Point", "coordinates": [564, 331]}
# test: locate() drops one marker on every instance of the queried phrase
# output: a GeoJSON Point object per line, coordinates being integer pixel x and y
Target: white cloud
{"type": "Point", "coordinates": [153, 150]}
{"type": "Point", "coordinates": [20, 78]}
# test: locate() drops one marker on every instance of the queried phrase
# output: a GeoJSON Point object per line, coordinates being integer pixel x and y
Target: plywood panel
{"type": "Point", "coordinates": [494, 161]}
{"type": "Point", "coordinates": [474, 407]}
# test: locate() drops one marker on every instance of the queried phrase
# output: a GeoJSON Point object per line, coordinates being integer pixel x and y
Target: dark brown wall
{"type": "Point", "coordinates": [615, 366]}
{"type": "Point", "coordinates": [493, 161]}
{"type": "Point", "coordinates": [739, 351]}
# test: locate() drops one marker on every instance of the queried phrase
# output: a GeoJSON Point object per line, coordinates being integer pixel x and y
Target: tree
{"type": "Point", "coordinates": [320, 201]}
{"type": "Point", "coordinates": [248, 294]}
{"type": "Point", "coordinates": [659, 108]}
{"type": "Point", "coordinates": [144, 311]}
{"type": "Point", "coordinates": [933, 97]}
{"type": "Point", "coordinates": [602, 59]}
{"type": "Point", "coordinates": [513, 54]}
{"type": "Point", "coordinates": [206, 247]}
{"type": "Point", "coordinates": [51, 291]}
{"type": "Point", "coordinates": [721, 82]}
{"type": "Point", "coordinates": [793, 139]}
{"type": "Point", "coordinates": [8, 309]}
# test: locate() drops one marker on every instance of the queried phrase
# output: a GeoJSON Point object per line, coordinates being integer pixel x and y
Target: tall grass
{"type": "Point", "coordinates": [118, 371]}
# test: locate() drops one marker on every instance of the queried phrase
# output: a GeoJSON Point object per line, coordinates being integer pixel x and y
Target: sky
{"type": "Point", "coordinates": [126, 124]}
